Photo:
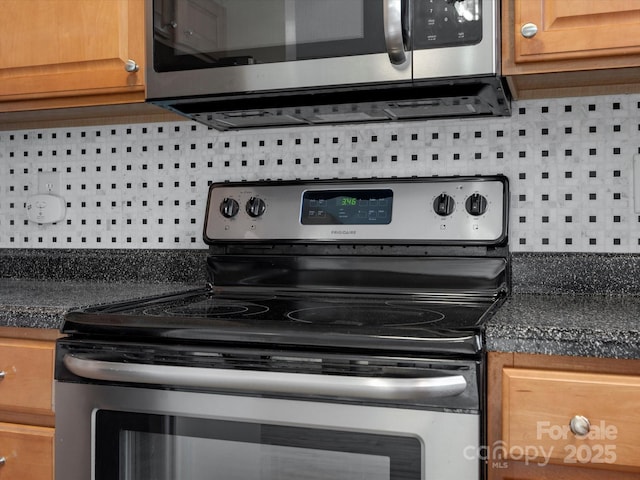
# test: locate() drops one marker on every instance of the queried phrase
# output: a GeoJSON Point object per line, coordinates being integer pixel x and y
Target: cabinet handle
{"type": "Point", "coordinates": [529, 30]}
{"type": "Point", "coordinates": [131, 66]}
{"type": "Point", "coordinates": [580, 425]}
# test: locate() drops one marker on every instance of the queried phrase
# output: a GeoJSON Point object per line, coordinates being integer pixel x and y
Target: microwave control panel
{"type": "Point", "coordinates": [446, 23]}
{"type": "Point", "coordinates": [433, 210]}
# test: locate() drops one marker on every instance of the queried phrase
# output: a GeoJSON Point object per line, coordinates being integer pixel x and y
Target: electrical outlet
{"type": "Point", "coordinates": [49, 183]}
{"type": "Point", "coordinates": [47, 206]}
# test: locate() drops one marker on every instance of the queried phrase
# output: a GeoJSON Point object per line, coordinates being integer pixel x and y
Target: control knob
{"type": "Point", "coordinates": [443, 205]}
{"type": "Point", "coordinates": [476, 205]}
{"type": "Point", "coordinates": [229, 207]}
{"type": "Point", "coordinates": [255, 207]}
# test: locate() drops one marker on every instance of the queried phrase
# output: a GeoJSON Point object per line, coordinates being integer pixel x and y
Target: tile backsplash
{"type": "Point", "coordinates": [569, 161]}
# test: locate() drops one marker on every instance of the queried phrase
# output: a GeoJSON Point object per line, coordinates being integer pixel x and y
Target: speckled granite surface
{"type": "Point", "coordinates": [147, 266]}
{"type": "Point", "coordinates": [567, 324]}
{"type": "Point", "coordinates": [576, 273]}
{"type": "Point", "coordinates": [38, 286]}
{"type": "Point", "coordinates": [570, 304]}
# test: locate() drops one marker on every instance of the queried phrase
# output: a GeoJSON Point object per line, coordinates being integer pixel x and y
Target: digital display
{"type": "Point", "coordinates": [347, 207]}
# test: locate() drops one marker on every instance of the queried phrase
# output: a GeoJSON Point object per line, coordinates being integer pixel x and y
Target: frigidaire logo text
{"type": "Point", "coordinates": [343, 232]}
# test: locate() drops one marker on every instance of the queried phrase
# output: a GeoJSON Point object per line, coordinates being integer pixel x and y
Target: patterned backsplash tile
{"type": "Point", "coordinates": [569, 161]}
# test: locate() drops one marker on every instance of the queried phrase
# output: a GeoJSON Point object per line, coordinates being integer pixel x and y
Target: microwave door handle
{"type": "Point", "coordinates": [250, 381]}
{"type": "Point", "coordinates": [393, 31]}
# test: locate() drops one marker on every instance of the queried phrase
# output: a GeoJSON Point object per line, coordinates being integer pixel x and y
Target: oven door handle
{"type": "Point", "coordinates": [251, 381]}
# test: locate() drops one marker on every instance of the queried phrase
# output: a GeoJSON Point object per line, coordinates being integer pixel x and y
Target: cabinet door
{"type": "Point", "coordinates": [26, 451]}
{"type": "Point", "coordinates": [539, 406]}
{"type": "Point", "coordinates": [59, 53]}
{"type": "Point", "coordinates": [26, 376]}
{"type": "Point", "coordinates": [531, 400]}
{"type": "Point", "coordinates": [570, 29]}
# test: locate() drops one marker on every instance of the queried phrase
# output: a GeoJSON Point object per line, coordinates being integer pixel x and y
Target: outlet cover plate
{"type": "Point", "coordinates": [49, 183]}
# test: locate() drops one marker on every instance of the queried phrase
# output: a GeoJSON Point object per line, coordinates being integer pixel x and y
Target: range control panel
{"type": "Point", "coordinates": [433, 210]}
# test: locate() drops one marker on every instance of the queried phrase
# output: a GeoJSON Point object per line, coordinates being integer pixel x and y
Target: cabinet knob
{"type": "Point", "coordinates": [3, 460]}
{"type": "Point", "coordinates": [580, 425]}
{"type": "Point", "coordinates": [529, 30]}
{"type": "Point", "coordinates": [131, 66]}
{"type": "Point", "coordinates": [2, 375]}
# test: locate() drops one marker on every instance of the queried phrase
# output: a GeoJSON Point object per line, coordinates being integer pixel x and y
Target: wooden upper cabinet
{"type": "Point", "coordinates": [571, 37]}
{"type": "Point", "coordinates": [67, 53]}
{"type": "Point", "coordinates": [570, 29]}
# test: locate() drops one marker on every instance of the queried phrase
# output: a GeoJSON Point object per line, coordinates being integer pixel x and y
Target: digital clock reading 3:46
{"type": "Point", "coordinates": [347, 201]}
{"type": "Point", "coordinates": [347, 207]}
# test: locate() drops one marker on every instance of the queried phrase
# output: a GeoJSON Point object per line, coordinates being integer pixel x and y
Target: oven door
{"type": "Point", "coordinates": [108, 432]}
{"type": "Point", "coordinates": [139, 411]}
{"type": "Point", "coordinates": [198, 47]}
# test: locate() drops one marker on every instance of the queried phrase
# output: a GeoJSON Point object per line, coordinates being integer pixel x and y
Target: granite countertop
{"type": "Point", "coordinates": [42, 304]}
{"type": "Point", "coordinates": [577, 325]}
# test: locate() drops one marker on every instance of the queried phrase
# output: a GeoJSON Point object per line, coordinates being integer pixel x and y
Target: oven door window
{"type": "Point", "coordinates": [191, 34]}
{"type": "Point", "coordinates": [135, 446]}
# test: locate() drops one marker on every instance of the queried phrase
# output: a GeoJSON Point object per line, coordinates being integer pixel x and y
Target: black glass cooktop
{"type": "Point", "coordinates": [340, 320]}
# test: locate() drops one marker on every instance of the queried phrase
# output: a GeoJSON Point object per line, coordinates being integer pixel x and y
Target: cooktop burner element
{"type": "Point", "coordinates": [361, 315]}
{"type": "Point", "coordinates": [210, 308]}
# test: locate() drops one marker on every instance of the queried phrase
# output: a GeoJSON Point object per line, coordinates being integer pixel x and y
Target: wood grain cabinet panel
{"type": "Point", "coordinates": [580, 47]}
{"type": "Point", "coordinates": [538, 406]}
{"type": "Point", "coordinates": [26, 404]}
{"type": "Point", "coordinates": [67, 53]}
{"type": "Point", "coordinates": [26, 382]}
{"type": "Point", "coordinates": [531, 402]}
{"type": "Point", "coordinates": [569, 29]}
{"type": "Point", "coordinates": [26, 452]}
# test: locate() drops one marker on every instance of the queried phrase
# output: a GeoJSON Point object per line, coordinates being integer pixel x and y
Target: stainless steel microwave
{"type": "Point", "coordinates": [255, 63]}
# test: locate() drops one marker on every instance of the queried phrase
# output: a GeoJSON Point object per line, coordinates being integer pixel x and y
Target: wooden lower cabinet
{"type": "Point", "coordinates": [26, 405]}
{"type": "Point", "coordinates": [26, 452]}
{"type": "Point", "coordinates": [533, 401]}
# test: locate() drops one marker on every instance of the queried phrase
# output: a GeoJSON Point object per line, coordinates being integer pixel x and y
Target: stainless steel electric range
{"type": "Point", "coordinates": [340, 336]}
